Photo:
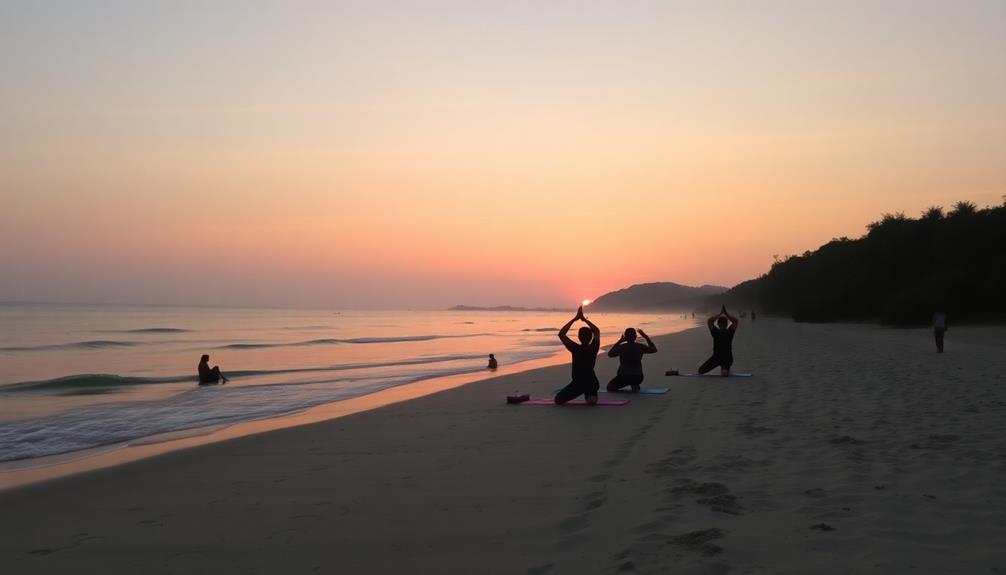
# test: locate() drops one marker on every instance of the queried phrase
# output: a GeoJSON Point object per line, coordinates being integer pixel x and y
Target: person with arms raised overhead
{"type": "Point", "coordinates": [630, 360]}
{"type": "Point", "coordinates": [208, 375]}
{"type": "Point", "coordinates": [722, 327]}
{"type": "Point", "coordinates": [584, 381]}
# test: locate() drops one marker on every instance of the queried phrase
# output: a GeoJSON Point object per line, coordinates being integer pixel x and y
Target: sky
{"type": "Point", "coordinates": [424, 154]}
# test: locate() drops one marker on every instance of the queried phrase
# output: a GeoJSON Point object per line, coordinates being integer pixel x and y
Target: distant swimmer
{"type": "Point", "coordinates": [630, 360]}
{"type": "Point", "coordinates": [584, 381]}
{"type": "Point", "coordinates": [492, 362]}
{"type": "Point", "coordinates": [208, 375]}
{"type": "Point", "coordinates": [722, 327]}
{"type": "Point", "coordinates": [939, 328]}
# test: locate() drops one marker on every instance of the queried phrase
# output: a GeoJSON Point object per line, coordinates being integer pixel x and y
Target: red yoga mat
{"type": "Point", "coordinates": [608, 402]}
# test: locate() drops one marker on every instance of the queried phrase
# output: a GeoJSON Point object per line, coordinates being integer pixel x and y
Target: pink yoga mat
{"type": "Point", "coordinates": [574, 402]}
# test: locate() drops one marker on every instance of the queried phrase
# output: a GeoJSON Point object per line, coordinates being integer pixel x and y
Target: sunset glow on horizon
{"type": "Point", "coordinates": [365, 155]}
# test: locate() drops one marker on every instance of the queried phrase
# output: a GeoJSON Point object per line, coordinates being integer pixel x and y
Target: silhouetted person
{"type": "Point", "coordinates": [584, 381]}
{"type": "Point", "coordinates": [208, 375]}
{"type": "Point", "coordinates": [630, 360]}
{"type": "Point", "coordinates": [722, 327]}
{"type": "Point", "coordinates": [939, 328]}
{"type": "Point", "coordinates": [754, 316]}
{"type": "Point", "coordinates": [492, 362]}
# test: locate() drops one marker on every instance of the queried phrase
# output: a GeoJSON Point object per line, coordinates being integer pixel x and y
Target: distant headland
{"type": "Point", "coordinates": [504, 308]}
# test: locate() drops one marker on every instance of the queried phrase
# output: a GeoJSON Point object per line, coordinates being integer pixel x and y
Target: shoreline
{"type": "Point", "coordinates": [852, 449]}
{"type": "Point", "coordinates": [20, 473]}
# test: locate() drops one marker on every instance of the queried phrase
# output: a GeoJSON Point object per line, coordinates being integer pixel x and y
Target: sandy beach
{"type": "Point", "coordinates": [854, 449]}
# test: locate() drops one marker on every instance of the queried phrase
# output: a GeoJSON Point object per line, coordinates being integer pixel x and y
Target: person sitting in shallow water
{"type": "Point", "coordinates": [208, 375]}
{"type": "Point", "coordinates": [630, 360]}
{"type": "Point", "coordinates": [492, 362]}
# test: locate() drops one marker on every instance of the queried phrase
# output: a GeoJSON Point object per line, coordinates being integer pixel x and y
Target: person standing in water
{"type": "Point", "coordinates": [208, 375]}
{"type": "Point", "coordinates": [630, 360]}
{"type": "Point", "coordinates": [939, 328]}
{"type": "Point", "coordinates": [492, 362]}
{"type": "Point", "coordinates": [722, 327]}
{"type": "Point", "coordinates": [584, 381]}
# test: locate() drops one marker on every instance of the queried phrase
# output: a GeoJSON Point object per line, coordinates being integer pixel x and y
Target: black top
{"type": "Point", "coordinates": [722, 341]}
{"type": "Point", "coordinates": [584, 357]}
{"type": "Point", "coordinates": [630, 358]}
{"type": "Point", "coordinates": [206, 374]}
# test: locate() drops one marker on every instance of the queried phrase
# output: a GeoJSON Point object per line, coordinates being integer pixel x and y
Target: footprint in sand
{"type": "Point", "coordinates": [700, 541]}
{"type": "Point", "coordinates": [574, 523]}
{"type": "Point", "coordinates": [714, 495]}
{"type": "Point", "coordinates": [846, 440]}
{"type": "Point", "coordinates": [595, 501]}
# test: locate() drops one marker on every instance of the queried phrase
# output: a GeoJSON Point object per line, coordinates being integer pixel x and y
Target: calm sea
{"type": "Point", "coordinates": [75, 377]}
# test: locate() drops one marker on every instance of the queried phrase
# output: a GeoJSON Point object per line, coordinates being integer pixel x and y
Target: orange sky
{"type": "Point", "coordinates": [382, 155]}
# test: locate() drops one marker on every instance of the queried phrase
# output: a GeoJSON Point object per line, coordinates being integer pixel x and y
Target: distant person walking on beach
{"type": "Point", "coordinates": [722, 327]}
{"type": "Point", "coordinates": [939, 328]}
{"type": "Point", "coordinates": [630, 360]}
{"type": "Point", "coordinates": [492, 362]}
{"type": "Point", "coordinates": [584, 380]}
{"type": "Point", "coordinates": [208, 375]}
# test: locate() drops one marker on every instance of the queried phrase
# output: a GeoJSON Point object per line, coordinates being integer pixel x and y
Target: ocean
{"type": "Point", "coordinates": [79, 377]}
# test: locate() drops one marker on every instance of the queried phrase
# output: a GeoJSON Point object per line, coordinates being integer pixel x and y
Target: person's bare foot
{"type": "Point", "coordinates": [591, 399]}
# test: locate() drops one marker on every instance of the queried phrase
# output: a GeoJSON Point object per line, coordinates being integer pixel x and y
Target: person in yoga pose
{"type": "Point", "coordinates": [630, 360]}
{"type": "Point", "coordinates": [722, 327]}
{"type": "Point", "coordinates": [208, 375]}
{"type": "Point", "coordinates": [584, 381]}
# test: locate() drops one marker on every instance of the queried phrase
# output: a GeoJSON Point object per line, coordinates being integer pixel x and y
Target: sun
{"type": "Point", "coordinates": [585, 302]}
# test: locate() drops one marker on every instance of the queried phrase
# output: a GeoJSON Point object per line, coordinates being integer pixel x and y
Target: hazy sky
{"type": "Point", "coordinates": [421, 154]}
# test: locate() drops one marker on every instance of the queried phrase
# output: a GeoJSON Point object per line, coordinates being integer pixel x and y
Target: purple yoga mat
{"type": "Point", "coordinates": [574, 402]}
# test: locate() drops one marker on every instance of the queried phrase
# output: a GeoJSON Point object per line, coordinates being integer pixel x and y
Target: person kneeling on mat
{"type": "Point", "coordinates": [722, 327]}
{"type": "Point", "coordinates": [630, 360]}
{"type": "Point", "coordinates": [584, 357]}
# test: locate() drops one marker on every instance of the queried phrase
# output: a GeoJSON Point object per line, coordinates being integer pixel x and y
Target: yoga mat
{"type": "Point", "coordinates": [643, 390]}
{"type": "Point", "coordinates": [612, 402]}
{"type": "Point", "coordinates": [688, 374]}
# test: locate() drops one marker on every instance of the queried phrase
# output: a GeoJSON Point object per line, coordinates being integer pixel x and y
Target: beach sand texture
{"type": "Point", "coordinates": [853, 449]}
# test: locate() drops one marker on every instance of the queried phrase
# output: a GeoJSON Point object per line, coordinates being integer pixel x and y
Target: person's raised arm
{"type": "Point", "coordinates": [596, 330]}
{"type": "Point", "coordinates": [733, 320]}
{"type": "Point", "coordinates": [565, 330]}
{"type": "Point", "coordinates": [711, 322]}
{"type": "Point", "coordinates": [650, 348]}
{"type": "Point", "coordinates": [570, 344]}
{"type": "Point", "coordinates": [614, 351]}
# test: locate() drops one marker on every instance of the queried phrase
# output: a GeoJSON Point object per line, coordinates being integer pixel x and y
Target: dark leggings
{"type": "Point", "coordinates": [938, 332]}
{"type": "Point", "coordinates": [586, 387]}
{"type": "Point", "coordinates": [622, 381]}
{"type": "Point", "coordinates": [717, 361]}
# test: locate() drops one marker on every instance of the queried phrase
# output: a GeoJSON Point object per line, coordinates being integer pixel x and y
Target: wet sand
{"type": "Point", "coordinates": [853, 449]}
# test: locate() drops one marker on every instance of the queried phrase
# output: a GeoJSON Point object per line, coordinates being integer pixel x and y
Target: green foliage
{"type": "Point", "coordinates": [900, 272]}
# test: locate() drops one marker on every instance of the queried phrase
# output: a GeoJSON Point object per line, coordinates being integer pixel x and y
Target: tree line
{"type": "Point", "coordinates": [899, 272]}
